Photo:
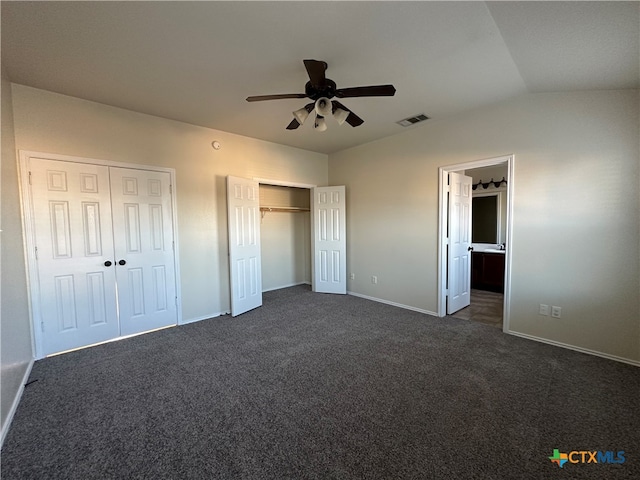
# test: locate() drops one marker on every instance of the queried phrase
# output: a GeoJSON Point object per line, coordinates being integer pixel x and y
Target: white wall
{"type": "Point", "coordinates": [53, 123]}
{"type": "Point", "coordinates": [15, 345]}
{"type": "Point", "coordinates": [576, 212]}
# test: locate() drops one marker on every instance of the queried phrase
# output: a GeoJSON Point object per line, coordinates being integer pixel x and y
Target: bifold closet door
{"type": "Point", "coordinates": [144, 249]}
{"type": "Point", "coordinates": [104, 252]}
{"type": "Point", "coordinates": [74, 249]}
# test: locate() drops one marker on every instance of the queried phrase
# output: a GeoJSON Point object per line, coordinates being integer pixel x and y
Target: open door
{"type": "Point", "coordinates": [329, 245]}
{"type": "Point", "coordinates": [459, 258]}
{"type": "Point", "coordinates": [243, 209]}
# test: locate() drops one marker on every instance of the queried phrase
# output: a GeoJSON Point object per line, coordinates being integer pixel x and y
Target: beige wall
{"type": "Point", "coordinates": [52, 123]}
{"type": "Point", "coordinates": [576, 212]}
{"type": "Point", "coordinates": [576, 206]}
{"type": "Point", "coordinates": [15, 326]}
{"type": "Point", "coordinates": [285, 237]}
{"type": "Point", "coordinates": [286, 249]}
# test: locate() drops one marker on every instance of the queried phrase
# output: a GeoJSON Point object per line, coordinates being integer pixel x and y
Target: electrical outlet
{"type": "Point", "coordinates": [352, 276]}
{"type": "Point", "coordinates": [544, 309]}
{"type": "Point", "coordinates": [374, 279]}
{"type": "Point", "coordinates": [556, 312]}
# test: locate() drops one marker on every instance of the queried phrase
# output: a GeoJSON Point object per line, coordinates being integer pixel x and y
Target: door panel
{"type": "Point", "coordinates": [143, 246]}
{"type": "Point", "coordinates": [245, 264]}
{"type": "Point", "coordinates": [74, 239]}
{"type": "Point", "coordinates": [329, 240]}
{"type": "Point", "coordinates": [459, 261]}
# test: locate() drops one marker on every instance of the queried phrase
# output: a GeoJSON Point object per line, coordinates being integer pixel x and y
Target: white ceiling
{"type": "Point", "coordinates": [196, 62]}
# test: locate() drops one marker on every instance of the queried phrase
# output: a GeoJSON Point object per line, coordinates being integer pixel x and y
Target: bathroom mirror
{"type": "Point", "coordinates": [485, 214]}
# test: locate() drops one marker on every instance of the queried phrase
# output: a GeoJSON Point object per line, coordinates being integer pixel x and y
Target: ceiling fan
{"type": "Point", "coordinates": [321, 90]}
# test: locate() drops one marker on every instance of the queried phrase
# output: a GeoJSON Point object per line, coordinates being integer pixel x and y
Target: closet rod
{"type": "Point", "coordinates": [284, 209]}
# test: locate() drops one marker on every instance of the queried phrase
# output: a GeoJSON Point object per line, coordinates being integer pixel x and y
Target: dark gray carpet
{"type": "Point", "coordinates": [324, 386]}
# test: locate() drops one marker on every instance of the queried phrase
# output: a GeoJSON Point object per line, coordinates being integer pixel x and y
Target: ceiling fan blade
{"type": "Point", "coordinates": [353, 119]}
{"type": "Point", "coordinates": [316, 69]}
{"type": "Point", "coordinates": [293, 125]}
{"type": "Point", "coordinates": [259, 98]}
{"type": "Point", "coordinates": [370, 91]}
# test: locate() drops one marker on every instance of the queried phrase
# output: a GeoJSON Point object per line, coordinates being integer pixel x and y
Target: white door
{"type": "Point", "coordinates": [459, 261]}
{"type": "Point", "coordinates": [144, 249]}
{"type": "Point", "coordinates": [329, 243]}
{"type": "Point", "coordinates": [243, 213]}
{"type": "Point", "coordinates": [75, 262]}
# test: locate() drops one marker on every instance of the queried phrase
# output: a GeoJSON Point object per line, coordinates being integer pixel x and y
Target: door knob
{"type": "Point", "coordinates": [107, 263]}
{"type": "Point", "coordinates": [122, 262]}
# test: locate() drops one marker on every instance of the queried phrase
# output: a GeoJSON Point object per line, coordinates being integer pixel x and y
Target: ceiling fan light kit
{"type": "Point", "coordinates": [320, 125]}
{"type": "Point", "coordinates": [340, 115]}
{"type": "Point", "coordinates": [301, 115]}
{"type": "Point", "coordinates": [323, 107]}
{"type": "Point", "coordinates": [321, 90]}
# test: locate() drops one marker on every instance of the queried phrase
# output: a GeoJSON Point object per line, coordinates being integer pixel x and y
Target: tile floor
{"type": "Point", "coordinates": [486, 307]}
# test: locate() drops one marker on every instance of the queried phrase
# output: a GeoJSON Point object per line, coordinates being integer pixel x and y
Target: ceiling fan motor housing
{"type": "Point", "coordinates": [328, 90]}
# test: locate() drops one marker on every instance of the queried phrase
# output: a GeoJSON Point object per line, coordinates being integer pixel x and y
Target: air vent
{"type": "Point", "coordinates": [413, 120]}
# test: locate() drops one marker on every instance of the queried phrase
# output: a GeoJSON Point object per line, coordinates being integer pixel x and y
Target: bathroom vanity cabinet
{"type": "Point", "coordinates": [487, 271]}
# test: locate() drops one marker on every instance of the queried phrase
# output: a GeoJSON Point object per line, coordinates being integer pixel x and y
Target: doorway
{"type": "Point", "coordinates": [328, 240]}
{"type": "Point", "coordinates": [321, 225]}
{"type": "Point", "coordinates": [285, 234]}
{"type": "Point", "coordinates": [501, 248]}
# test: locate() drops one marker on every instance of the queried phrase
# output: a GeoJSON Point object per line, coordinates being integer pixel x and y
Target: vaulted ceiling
{"type": "Point", "coordinates": [196, 62]}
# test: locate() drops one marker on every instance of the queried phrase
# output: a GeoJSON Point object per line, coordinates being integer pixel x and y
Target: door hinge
{"type": "Point", "coordinates": [170, 188]}
{"type": "Point", "coordinates": [29, 177]}
{"type": "Point", "coordinates": [42, 326]}
{"type": "Point", "coordinates": [36, 251]}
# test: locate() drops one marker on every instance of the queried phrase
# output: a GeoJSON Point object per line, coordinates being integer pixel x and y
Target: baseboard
{"type": "Point", "coordinates": [635, 363]}
{"type": "Point", "coordinates": [204, 317]}
{"type": "Point", "coordinates": [286, 286]}
{"type": "Point", "coordinates": [16, 402]}
{"type": "Point", "coordinates": [400, 305]}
